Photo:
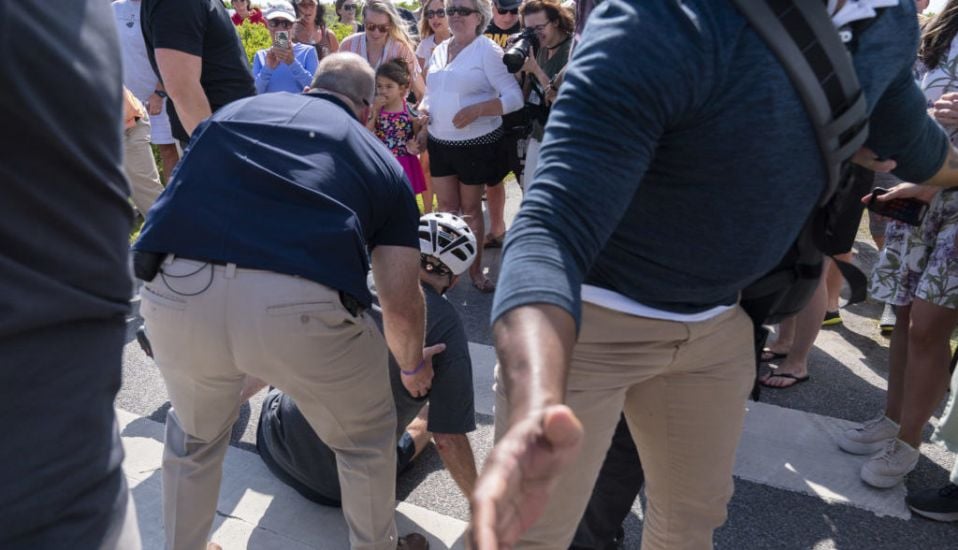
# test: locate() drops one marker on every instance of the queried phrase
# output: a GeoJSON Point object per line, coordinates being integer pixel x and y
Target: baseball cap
{"type": "Point", "coordinates": [279, 9]}
{"type": "Point", "coordinates": [508, 4]}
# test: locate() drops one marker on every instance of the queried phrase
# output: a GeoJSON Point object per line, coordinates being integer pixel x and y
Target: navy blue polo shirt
{"type": "Point", "coordinates": [290, 183]}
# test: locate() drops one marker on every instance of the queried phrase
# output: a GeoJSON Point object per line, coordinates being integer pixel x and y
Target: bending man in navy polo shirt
{"type": "Point", "coordinates": [264, 233]}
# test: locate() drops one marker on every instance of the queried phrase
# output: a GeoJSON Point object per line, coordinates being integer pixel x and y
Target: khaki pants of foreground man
{"type": "Point", "coordinates": [210, 326]}
{"type": "Point", "coordinates": [682, 387]}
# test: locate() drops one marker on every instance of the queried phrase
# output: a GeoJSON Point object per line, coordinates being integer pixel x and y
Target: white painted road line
{"type": "Point", "coordinates": [255, 509]}
{"type": "Point", "coordinates": [798, 451]}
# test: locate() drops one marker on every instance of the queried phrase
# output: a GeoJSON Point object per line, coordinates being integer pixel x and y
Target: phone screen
{"type": "Point", "coordinates": [282, 39]}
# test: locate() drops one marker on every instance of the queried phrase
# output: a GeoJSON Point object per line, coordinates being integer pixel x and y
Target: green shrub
{"type": "Point", "coordinates": [255, 37]}
{"type": "Point", "coordinates": [340, 30]}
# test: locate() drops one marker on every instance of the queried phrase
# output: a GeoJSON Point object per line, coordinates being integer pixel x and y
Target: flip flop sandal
{"type": "Point", "coordinates": [797, 380]}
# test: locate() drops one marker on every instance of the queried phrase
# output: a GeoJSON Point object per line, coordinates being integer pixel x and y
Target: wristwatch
{"type": "Point", "coordinates": [160, 93]}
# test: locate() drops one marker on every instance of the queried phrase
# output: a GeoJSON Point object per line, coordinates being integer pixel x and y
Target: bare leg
{"type": "Point", "coordinates": [496, 201]}
{"type": "Point", "coordinates": [927, 377]}
{"type": "Point", "coordinates": [897, 359]}
{"type": "Point", "coordinates": [835, 281]}
{"type": "Point", "coordinates": [169, 156]}
{"type": "Point", "coordinates": [447, 192]}
{"type": "Point", "coordinates": [470, 198]}
{"type": "Point", "coordinates": [784, 336]}
{"type": "Point", "coordinates": [417, 429]}
{"type": "Point", "coordinates": [457, 455]}
{"type": "Point", "coordinates": [808, 323]}
{"type": "Point", "coordinates": [427, 195]}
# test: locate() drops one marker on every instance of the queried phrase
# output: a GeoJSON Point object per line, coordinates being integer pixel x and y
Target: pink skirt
{"type": "Point", "coordinates": [410, 164]}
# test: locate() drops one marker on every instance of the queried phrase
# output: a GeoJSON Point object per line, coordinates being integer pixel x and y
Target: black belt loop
{"type": "Point", "coordinates": [351, 304]}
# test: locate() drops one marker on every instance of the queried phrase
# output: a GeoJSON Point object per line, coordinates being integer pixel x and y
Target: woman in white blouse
{"type": "Point", "coordinates": [468, 89]}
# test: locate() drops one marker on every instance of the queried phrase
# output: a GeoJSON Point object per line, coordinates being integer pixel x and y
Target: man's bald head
{"type": "Point", "coordinates": [349, 75]}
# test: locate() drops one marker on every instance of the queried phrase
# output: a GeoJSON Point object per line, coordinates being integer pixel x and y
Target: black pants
{"type": "Point", "coordinates": [615, 490]}
{"type": "Point", "coordinates": [60, 480]}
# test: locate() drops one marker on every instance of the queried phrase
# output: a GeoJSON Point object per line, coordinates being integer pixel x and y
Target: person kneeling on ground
{"type": "Point", "coordinates": [298, 457]}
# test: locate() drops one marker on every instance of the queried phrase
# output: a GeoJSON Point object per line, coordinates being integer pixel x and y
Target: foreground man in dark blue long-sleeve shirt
{"type": "Point", "coordinates": [678, 165]}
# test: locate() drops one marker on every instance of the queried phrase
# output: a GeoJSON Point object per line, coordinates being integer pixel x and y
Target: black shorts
{"type": "Point", "coordinates": [484, 160]}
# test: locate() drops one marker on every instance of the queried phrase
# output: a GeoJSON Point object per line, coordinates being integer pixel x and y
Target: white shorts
{"type": "Point", "coordinates": [160, 132]}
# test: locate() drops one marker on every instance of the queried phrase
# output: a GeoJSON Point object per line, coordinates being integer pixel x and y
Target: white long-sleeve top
{"type": "Point", "coordinates": [477, 74]}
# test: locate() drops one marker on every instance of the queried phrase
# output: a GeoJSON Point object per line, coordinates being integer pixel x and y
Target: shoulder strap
{"type": "Point", "coordinates": [804, 40]}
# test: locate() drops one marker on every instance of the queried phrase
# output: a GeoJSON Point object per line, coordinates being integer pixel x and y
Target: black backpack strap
{"type": "Point", "coordinates": [802, 36]}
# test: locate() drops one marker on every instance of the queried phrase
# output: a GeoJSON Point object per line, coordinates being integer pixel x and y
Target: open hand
{"type": "Point", "coordinates": [520, 474]}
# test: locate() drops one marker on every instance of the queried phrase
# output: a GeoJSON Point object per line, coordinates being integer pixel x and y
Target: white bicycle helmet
{"type": "Point", "coordinates": [447, 238]}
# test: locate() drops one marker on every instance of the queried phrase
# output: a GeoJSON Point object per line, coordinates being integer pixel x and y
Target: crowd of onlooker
{"type": "Point", "coordinates": [458, 128]}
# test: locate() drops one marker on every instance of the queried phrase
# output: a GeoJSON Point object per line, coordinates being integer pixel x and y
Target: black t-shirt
{"type": "Point", "coordinates": [501, 36]}
{"type": "Point", "coordinates": [64, 213]}
{"type": "Point", "coordinates": [202, 28]}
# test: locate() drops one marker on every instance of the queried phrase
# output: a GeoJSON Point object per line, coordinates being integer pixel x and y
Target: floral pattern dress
{"type": "Point", "coordinates": [922, 261]}
{"type": "Point", "coordinates": [394, 129]}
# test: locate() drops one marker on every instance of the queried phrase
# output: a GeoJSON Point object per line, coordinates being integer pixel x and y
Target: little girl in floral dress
{"type": "Point", "coordinates": [393, 122]}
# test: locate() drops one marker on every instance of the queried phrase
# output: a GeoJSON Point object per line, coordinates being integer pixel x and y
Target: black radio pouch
{"type": "Point", "coordinates": [146, 264]}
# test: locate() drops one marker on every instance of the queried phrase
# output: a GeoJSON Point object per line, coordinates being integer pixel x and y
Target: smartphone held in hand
{"type": "Point", "coordinates": [910, 211]}
{"type": "Point", "coordinates": [282, 40]}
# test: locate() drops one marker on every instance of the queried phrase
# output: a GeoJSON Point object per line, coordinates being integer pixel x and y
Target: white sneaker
{"type": "Point", "coordinates": [889, 467]}
{"type": "Point", "coordinates": [887, 322]}
{"type": "Point", "coordinates": [870, 437]}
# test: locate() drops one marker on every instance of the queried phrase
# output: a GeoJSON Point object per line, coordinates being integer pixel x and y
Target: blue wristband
{"type": "Point", "coordinates": [414, 371]}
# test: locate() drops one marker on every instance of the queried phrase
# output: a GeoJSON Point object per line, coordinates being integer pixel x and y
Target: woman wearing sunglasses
{"type": "Point", "coordinates": [385, 38]}
{"type": "Point", "coordinates": [468, 89]}
{"type": "Point", "coordinates": [433, 29]}
{"type": "Point", "coordinates": [311, 28]}
{"type": "Point", "coordinates": [346, 12]}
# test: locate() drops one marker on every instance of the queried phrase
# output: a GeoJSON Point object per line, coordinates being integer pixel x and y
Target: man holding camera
{"type": "Point", "coordinates": [255, 263]}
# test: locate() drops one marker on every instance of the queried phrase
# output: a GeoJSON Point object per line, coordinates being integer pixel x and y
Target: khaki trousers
{"type": "Point", "coordinates": [682, 388]}
{"type": "Point", "coordinates": [140, 166]}
{"type": "Point", "coordinates": [212, 325]}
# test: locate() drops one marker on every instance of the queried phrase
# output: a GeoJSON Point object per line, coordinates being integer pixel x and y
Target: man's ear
{"type": "Point", "coordinates": [363, 114]}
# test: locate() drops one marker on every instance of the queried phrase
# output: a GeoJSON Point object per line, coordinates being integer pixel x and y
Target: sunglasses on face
{"type": "Point", "coordinates": [514, 11]}
{"type": "Point", "coordinates": [377, 28]}
{"type": "Point", "coordinates": [539, 28]}
{"type": "Point", "coordinates": [435, 13]}
{"type": "Point", "coordinates": [454, 11]}
{"type": "Point", "coordinates": [349, 7]}
{"type": "Point", "coordinates": [280, 23]}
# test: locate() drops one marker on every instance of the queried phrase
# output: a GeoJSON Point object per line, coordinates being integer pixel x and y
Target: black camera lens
{"type": "Point", "coordinates": [515, 55]}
